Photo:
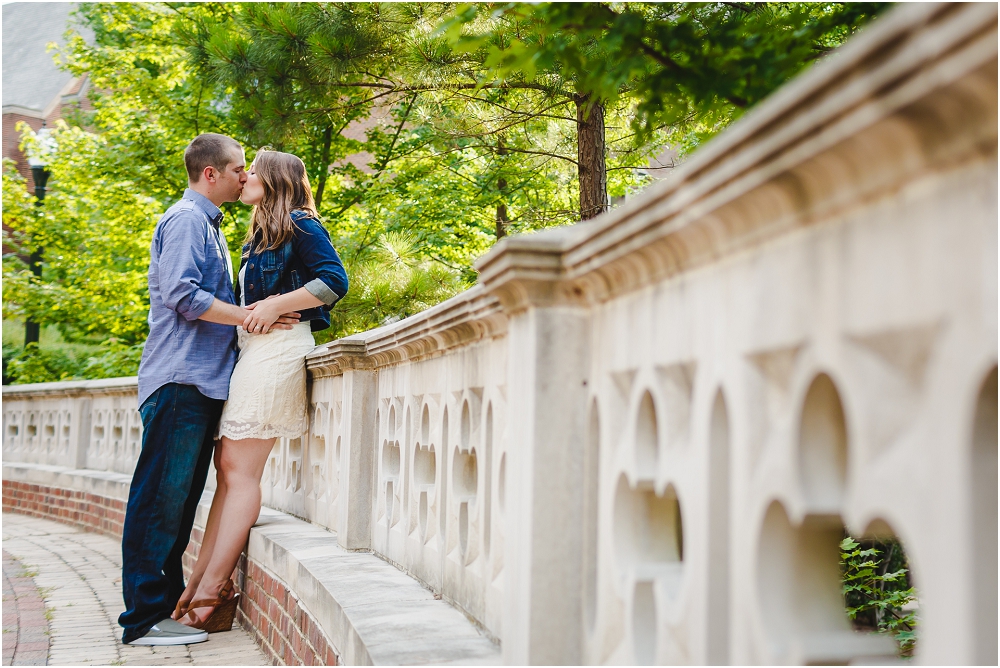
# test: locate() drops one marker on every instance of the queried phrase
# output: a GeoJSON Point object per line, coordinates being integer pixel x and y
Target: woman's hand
{"type": "Point", "coordinates": [266, 315]}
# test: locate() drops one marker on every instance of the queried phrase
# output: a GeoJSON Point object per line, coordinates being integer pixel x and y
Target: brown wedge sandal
{"type": "Point", "coordinates": [224, 610]}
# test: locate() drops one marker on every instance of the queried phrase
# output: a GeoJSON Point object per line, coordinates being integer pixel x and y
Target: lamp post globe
{"type": "Point", "coordinates": [40, 175]}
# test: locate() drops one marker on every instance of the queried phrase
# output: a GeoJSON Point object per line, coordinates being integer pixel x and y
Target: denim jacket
{"type": "Point", "coordinates": [307, 260]}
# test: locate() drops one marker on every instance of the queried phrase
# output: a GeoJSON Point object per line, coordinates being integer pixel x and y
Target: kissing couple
{"type": "Point", "coordinates": [223, 372]}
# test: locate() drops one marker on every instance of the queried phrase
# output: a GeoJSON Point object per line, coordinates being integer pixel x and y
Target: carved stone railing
{"type": "Point", "coordinates": [640, 439]}
{"type": "Point", "coordinates": [91, 424]}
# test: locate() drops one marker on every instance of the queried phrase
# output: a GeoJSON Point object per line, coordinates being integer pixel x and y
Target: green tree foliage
{"type": "Point", "coordinates": [35, 364]}
{"type": "Point", "coordinates": [95, 231]}
{"type": "Point", "coordinates": [687, 65]}
{"type": "Point", "coordinates": [877, 590]}
{"type": "Point", "coordinates": [299, 76]}
{"type": "Point", "coordinates": [396, 280]}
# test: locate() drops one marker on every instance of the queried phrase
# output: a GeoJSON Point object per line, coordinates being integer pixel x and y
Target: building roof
{"type": "Point", "coordinates": [31, 79]}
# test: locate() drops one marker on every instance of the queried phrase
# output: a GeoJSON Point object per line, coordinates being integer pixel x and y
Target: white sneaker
{"type": "Point", "coordinates": [169, 632]}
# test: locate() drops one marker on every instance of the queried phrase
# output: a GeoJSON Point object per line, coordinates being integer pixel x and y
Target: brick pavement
{"type": "Point", "coordinates": [79, 577]}
{"type": "Point", "coordinates": [25, 628]}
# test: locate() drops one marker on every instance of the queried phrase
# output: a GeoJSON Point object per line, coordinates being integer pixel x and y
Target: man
{"type": "Point", "coordinates": [183, 383]}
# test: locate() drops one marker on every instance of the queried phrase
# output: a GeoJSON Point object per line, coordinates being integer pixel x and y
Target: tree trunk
{"type": "Point", "coordinates": [502, 220]}
{"type": "Point", "coordinates": [592, 171]}
{"type": "Point", "coordinates": [324, 159]}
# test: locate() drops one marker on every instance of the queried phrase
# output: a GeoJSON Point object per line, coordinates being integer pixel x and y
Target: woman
{"type": "Point", "coordinates": [288, 265]}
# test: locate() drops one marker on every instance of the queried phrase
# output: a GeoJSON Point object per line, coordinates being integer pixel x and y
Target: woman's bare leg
{"type": "Point", "coordinates": [211, 530]}
{"type": "Point", "coordinates": [240, 465]}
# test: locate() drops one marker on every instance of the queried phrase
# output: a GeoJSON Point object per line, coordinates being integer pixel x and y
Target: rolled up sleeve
{"type": "Point", "coordinates": [329, 283]}
{"type": "Point", "coordinates": [182, 256]}
{"type": "Point", "coordinates": [321, 291]}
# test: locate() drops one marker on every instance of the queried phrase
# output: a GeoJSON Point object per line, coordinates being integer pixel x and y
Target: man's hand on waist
{"type": "Point", "coordinates": [230, 314]}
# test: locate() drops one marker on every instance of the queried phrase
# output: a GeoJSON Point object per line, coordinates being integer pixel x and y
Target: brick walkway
{"type": "Point", "coordinates": [78, 574]}
{"type": "Point", "coordinates": [25, 629]}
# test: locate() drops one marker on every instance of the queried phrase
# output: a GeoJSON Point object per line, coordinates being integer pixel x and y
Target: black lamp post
{"type": "Point", "coordinates": [40, 175]}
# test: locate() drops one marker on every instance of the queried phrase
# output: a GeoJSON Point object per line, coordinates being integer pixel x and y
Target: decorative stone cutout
{"type": "Point", "coordinates": [424, 468]}
{"type": "Point", "coordinates": [321, 465]}
{"type": "Point", "coordinates": [443, 515]}
{"type": "Point", "coordinates": [407, 443]}
{"type": "Point", "coordinates": [465, 433]}
{"type": "Point", "coordinates": [799, 590]}
{"type": "Point", "coordinates": [500, 457]}
{"type": "Point", "coordinates": [293, 465]}
{"type": "Point", "coordinates": [318, 483]}
{"type": "Point", "coordinates": [488, 479]}
{"type": "Point", "coordinates": [97, 451]}
{"type": "Point", "coordinates": [12, 432]}
{"type": "Point", "coordinates": [134, 434]}
{"type": "Point", "coordinates": [647, 439]}
{"type": "Point", "coordinates": [425, 426]}
{"type": "Point", "coordinates": [465, 476]}
{"type": "Point", "coordinates": [649, 553]}
{"type": "Point", "coordinates": [390, 480]}
{"type": "Point", "coordinates": [424, 477]}
{"type": "Point", "coordinates": [50, 421]}
{"type": "Point", "coordinates": [648, 529]}
{"type": "Point", "coordinates": [823, 446]}
{"type": "Point", "coordinates": [335, 478]}
{"type": "Point", "coordinates": [271, 472]}
{"type": "Point", "coordinates": [389, 471]}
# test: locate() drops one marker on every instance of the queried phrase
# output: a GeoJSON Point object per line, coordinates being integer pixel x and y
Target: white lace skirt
{"type": "Point", "coordinates": [267, 392]}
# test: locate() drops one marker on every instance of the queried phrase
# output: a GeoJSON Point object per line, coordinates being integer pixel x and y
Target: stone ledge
{"type": "Point", "coordinates": [371, 612]}
{"type": "Point", "coordinates": [101, 483]}
{"type": "Point", "coordinates": [72, 387]}
{"type": "Point", "coordinates": [466, 318]}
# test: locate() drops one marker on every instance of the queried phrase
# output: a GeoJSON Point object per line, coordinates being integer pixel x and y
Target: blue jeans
{"type": "Point", "coordinates": [177, 442]}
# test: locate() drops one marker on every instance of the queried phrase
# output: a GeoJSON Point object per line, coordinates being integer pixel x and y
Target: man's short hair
{"type": "Point", "coordinates": [210, 149]}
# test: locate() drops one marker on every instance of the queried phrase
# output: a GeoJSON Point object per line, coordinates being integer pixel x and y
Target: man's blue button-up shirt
{"type": "Point", "coordinates": [189, 267]}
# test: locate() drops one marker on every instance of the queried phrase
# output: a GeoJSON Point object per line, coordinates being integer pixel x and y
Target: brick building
{"type": "Point", "coordinates": [35, 90]}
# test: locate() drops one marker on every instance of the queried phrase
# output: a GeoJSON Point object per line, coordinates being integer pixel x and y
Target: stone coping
{"type": "Point", "coordinates": [72, 387]}
{"type": "Point", "coordinates": [102, 483]}
{"type": "Point", "coordinates": [470, 316]}
{"type": "Point", "coordinates": [372, 612]}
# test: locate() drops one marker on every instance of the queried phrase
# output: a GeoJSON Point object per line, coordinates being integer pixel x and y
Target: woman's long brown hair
{"type": "Point", "coordinates": [286, 188]}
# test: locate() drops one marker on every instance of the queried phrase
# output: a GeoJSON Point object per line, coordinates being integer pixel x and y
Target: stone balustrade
{"type": "Point", "coordinates": [641, 439]}
{"type": "Point", "coordinates": [91, 424]}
